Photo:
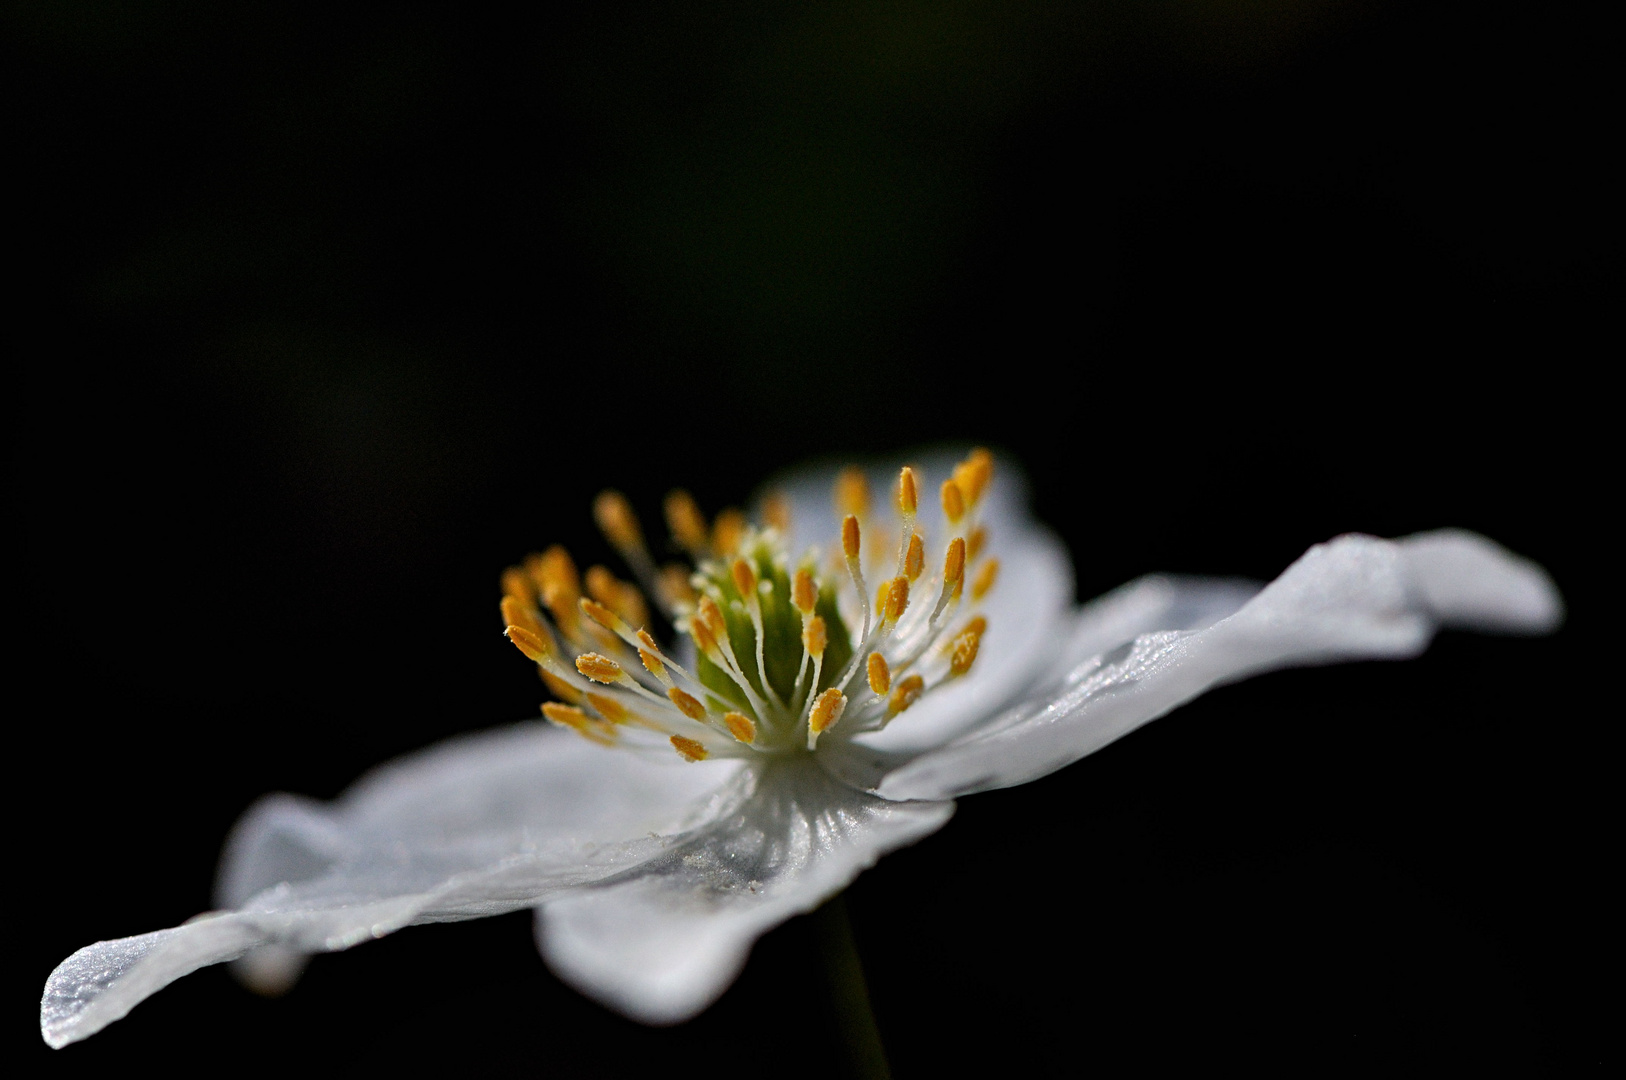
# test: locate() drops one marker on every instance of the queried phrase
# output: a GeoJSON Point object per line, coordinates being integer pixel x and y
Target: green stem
{"type": "Point", "coordinates": [849, 994]}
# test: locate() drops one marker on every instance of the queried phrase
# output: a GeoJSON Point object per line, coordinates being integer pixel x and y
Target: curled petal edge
{"type": "Point", "coordinates": [1356, 597]}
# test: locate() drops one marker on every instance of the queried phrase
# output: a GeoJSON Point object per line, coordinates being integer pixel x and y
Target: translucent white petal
{"type": "Point", "coordinates": [663, 942]}
{"type": "Point", "coordinates": [477, 826]}
{"type": "Point", "coordinates": [1355, 597]}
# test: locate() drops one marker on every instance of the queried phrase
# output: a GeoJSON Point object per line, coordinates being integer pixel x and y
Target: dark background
{"type": "Point", "coordinates": [328, 316]}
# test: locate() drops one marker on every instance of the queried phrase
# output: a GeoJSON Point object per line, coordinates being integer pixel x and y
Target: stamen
{"type": "Point", "coordinates": [559, 687]}
{"type": "Point", "coordinates": [908, 492]}
{"type": "Point", "coordinates": [852, 492]}
{"type": "Point", "coordinates": [897, 599]}
{"type": "Point", "coordinates": [604, 617]}
{"type": "Point", "coordinates": [907, 693]}
{"type": "Point", "coordinates": [880, 678]}
{"type": "Point", "coordinates": [974, 473]}
{"type": "Point", "coordinates": [517, 583]}
{"type": "Point", "coordinates": [722, 651]}
{"type": "Point", "coordinates": [686, 522]}
{"type": "Point", "coordinates": [826, 711]}
{"type": "Point", "coordinates": [571, 717]}
{"type": "Point", "coordinates": [559, 586]}
{"type": "Point", "coordinates": [619, 596]}
{"type": "Point", "coordinates": [814, 638]}
{"type": "Point", "coordinates": [727, 531]}
{"type": "Point", "coordinates": [975, 542]}
{"type": "Point", "coordinates": [776, 512]}
{"type": "Point", "coordinates": [686, 704]}
{"type": "Point", "coordinates": [953, 502]}
{"type": "Point", "coordinates": [652, 663]}
{"type": "Point", "coordinates": [516, 612]}
{"type": "Point", "coordinates": [617, 521]}
{"type": "Point", "coordinates": [672, 584]}
{"type": "Point", "coordinates": [908, 503]}
{"type": "Point", "coordinates": [745, 580]}
{"type": "Point", "coordinates": [601, 669]}
{"type": "Point", "coordinates": [964, 651]}
{"type": "Point", "coordinates": [849, 547]}
{"type": "Point", "coordinates": [804, 594]}
{"type": "Point", "coordinates": [609, 708]}
{"type": "Point", "coordinates": [688, 749]}
{"type": "Point", "coordinates": [739, 725]}
{"type": "Point", "coordinates": [531, 644]}
{"type": "Point", "coordinates": [915, 560]}
{"type": "Point", "coordinates": [985, 579]}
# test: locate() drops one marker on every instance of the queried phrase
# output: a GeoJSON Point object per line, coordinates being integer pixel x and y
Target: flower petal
{"type": "Point", "coordinates": [1355, 597]}
{"type": "Point", "coordinates": [477, 826]}
{"type": "Point", "coordinates": [662, 943]}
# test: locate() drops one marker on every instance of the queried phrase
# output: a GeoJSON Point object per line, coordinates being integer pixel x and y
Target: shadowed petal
{"type": "Point", "coordinates": [1356, 597]}
{"type": "Point", "coordinates": [662, 943]}
{"type": "Point", "coordinates": [477, 826]}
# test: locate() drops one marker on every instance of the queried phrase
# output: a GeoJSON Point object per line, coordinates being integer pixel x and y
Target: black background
{"type": "Point", "coordinates": [327, 317]}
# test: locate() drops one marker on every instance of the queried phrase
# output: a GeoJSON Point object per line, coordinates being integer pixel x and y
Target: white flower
{"type": "Point", "coordinates": [702, 806]}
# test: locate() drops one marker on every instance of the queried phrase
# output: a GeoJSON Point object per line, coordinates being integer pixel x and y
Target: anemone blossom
{"type": "Point", "coordinates": [830, 693]}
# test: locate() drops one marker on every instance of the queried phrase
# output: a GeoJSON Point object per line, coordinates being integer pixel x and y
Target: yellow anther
{"type": "Point", "coordinates": [557, 583]}
{"type": "Point", "coordinates": [517, 613]}
{"type": "Point", "coordinates": [684, 519]}
{"type": "Point", "coordinates": [908, 493]}
{"type": "Point", "coordinates": [915, 559]}
{"type": "Point", "coordinates": [907, 693]}
{"type": "Point", "coordinates": [965, 650]}
{"type": "Point", "coordinates": [727, 531]}
{"type": "Point", "coordinates": [712, 616]}
{"type": "Point", "coordinates": [739, 725]}
{"type": "Point", "coordinates": [985, 579]}
{"type": "Point", "coordinates": [559, 688]}
{"type": "Point", "coordinates": [953, 502]}
{"type": "Point", "coordinates": [621, 597]}
{"type": "Point", "coordinates": [599, 668]}
{"type": "Point", "coordinates": [803, 592]}
{"type": "Point", "coordinates": [518, 584]}
{"type": "Point", "coordinates": [852, 491]}
{"type": "Point", "coordinates": [974, 473]}
{"type": "Point", "coordinates": [617, 521]}
{"type": "Point", "coordinates": [531, 644]}
{"type": "Point", "coordinates": [563, 714]}
{"type": "Point", "coordinates": [745, 580]}
{"type": "Point", "coordinates": [954, 564]}
{"type": "Point", "coordinates": [674, 585]}
{"type": "Point", "coordinates": [652, 662]}
{"type": "Point", "coordinates": [826, 711]}
{"type": "Point", "coordinates": [579, 722]}
{"type": "Point", "coordinates": [688, 749]}
{"type": "Point", "coordinates": [601, 614]}
{"type": "Point", "coordinates": [880, 676]}
{"type": "Point", "coordinates": [704, 639]}
{"type": "Point", "coordinates": [554, 570]}
{"type": "Point", "coordinates": [776, 511]}
{"type": "Point", "coordinates": [897, 598]}
{"type": "Point", "coordinates": [849, 536]}
{"type": "Point", "coordinates": [814, 636]}
{"type": "Point", "coordinates": [607, 707]}
{"type": "Point", "coordinates": [976, 542]}
{"type": "Point", "coordinates": [687, 704]}
{"type": "Point", "coordinates": [880, 596]}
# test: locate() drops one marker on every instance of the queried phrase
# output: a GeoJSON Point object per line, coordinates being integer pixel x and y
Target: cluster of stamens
{"type": "Point", "coordinates": [775, 665]}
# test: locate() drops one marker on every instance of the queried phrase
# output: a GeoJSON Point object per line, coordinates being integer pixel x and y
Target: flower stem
{"type": "Point", "coordinates": [849, 994]}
